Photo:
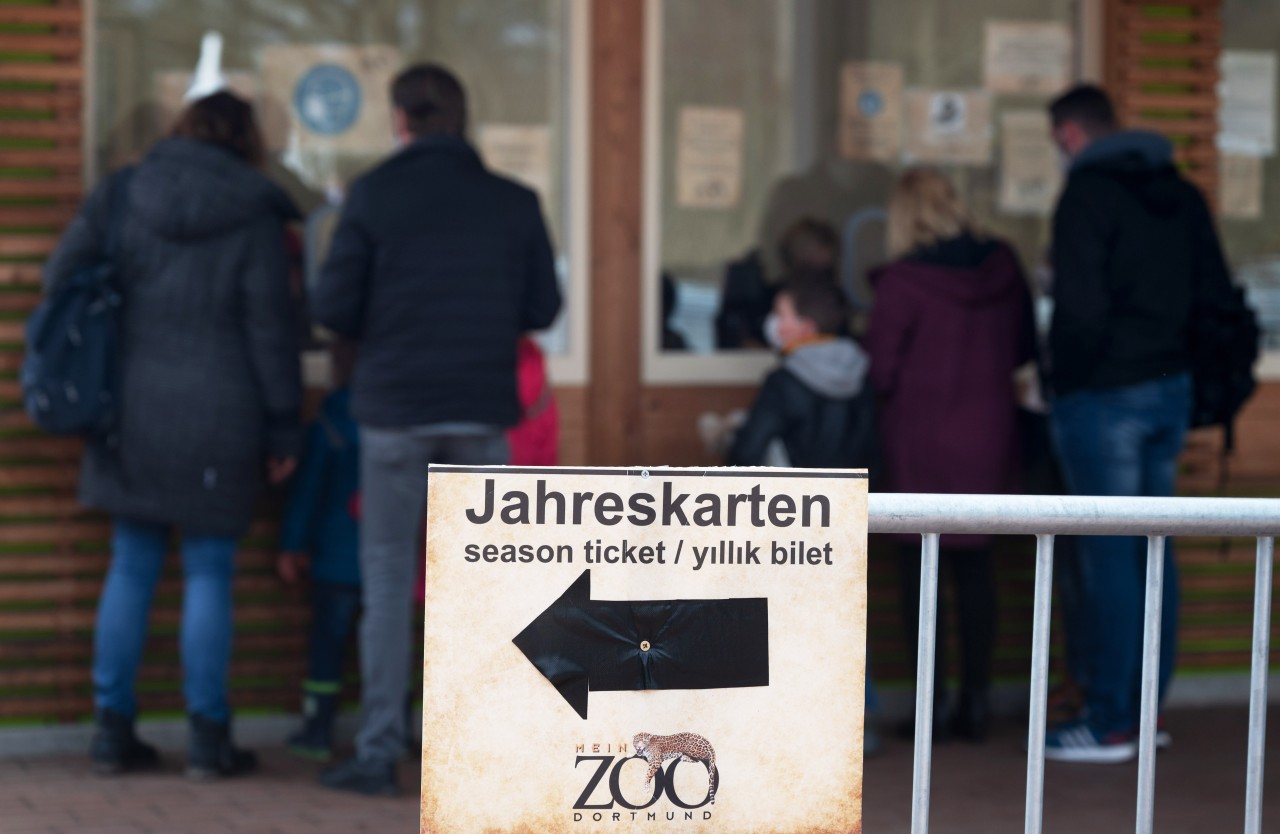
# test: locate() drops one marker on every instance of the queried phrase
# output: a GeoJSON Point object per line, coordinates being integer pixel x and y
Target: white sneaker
{"type": "Point", "coordinates": [1075, 742]}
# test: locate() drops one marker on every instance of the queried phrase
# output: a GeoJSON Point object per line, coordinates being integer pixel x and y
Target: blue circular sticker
{"type": "Point", "coordinates": [327, 99]}
{"type": "Point", "coordinates": [870, 103]}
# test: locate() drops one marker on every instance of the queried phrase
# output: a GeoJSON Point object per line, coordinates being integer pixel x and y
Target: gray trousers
{"type": "Point", "coordinates": [393, 493]}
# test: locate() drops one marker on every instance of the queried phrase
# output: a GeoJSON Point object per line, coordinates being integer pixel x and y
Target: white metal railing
{"type": "Point", "coordinates": [1045, 517]}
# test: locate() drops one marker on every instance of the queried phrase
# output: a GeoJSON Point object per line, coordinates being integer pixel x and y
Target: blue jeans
{"type": "Point", "coordinates": [1122, 441]}
{"type": "Point", "coordinates": [333, 613]}
{"type": "Point", "coordinates": [208, 564]}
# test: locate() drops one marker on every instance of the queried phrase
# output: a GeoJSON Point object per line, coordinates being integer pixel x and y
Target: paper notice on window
{"type": "Point", "coordinates": [1027, 58]}
{"type": "Point", "coordinates": [1240, 186]}
{"type": "Point", "coordinates": [871, 111]}
{"type": "Point", "coordinates": [948, 126]}
{"type": "Point", "coordinates": [1247, 103]}
{"type": "Point", "coordinates": [522, 152]}
{"type": "Point", "coordinates": [1030, 168]}
{"type": "Point", "coordinates": [328, 97]}
{"type": "Point", "coordinates": [709, 157]}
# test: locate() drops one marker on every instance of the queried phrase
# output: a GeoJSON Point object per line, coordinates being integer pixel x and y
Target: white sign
{"type": "Point", "coordinates": [613, 650]}
{"type": "Point", "coordinates": [709, 157]}
{"type": "Point", "coordinates": [328, 97]}
{"type": "Point", "coordinates": [871, 111]}
{"type": "Point", "coordinates": [1027, 58]}
{"type": "Point", "coordinates": [1240, 181]}
{"type": "Point", "coordinates": [948, 126]}
{"type": "Point", "coordinates": [1030, 166]}
{"type": "Point", "coordinates": [1247, 103]}
{"type": "Point", "coordinates": [522, 152]}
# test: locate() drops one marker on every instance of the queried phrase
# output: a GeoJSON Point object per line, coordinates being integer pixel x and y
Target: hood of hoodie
{"type": "Point", "coordinates": [191, 190]}
{"type": "Point", "coordinates": [965, 271]}
{"type": "Point", "coordinates": [835, 368]}
{"type": "Point", "coordinates": [1142, 161]}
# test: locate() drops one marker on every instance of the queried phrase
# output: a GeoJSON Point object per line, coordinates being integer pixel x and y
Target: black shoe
{"type": "Point", "coordinates": [315, 740]}
{"type": "Point", "coordinates": [115, 747]}
{"type": "Point", "coordinates": [211, 753]}
{"type": "Point", "coordinates": [971, 719]}
{"type": "Point", "coordinates": [366, 776]}
{"type": "Point", "coordinates": [942, 724]}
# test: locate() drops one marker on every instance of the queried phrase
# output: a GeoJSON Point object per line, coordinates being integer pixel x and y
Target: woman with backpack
{"type": "Point", "coordinates": [207, 394]}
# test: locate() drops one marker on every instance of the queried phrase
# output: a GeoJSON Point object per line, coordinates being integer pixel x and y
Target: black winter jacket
{"type": "Point", "coordinates": [1132, 240]}
{"type": "Point", "coordinates": [816, 406]}
{"type": "Point", "coordinates": [210, 382]}
{"type": "Point", "coordinates": [436, 268]}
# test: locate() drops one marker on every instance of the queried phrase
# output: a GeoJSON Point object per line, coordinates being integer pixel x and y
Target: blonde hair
{"type": "Point", "coordinates": [924, 210]}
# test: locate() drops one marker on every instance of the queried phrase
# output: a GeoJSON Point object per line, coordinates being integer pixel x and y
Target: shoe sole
{"type": "Point", "coordinates": [1112, 754]}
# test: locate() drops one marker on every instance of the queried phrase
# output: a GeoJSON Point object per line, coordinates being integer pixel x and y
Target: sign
{"type": "Point", "coordinates": [522, 152]}
{"type": "Point", "coordinates": [328, 97]}
{"type": "Point", "coordinates": [1030, 165]}
{"type": "Point", "coordinates": [614, 650]}
{"type": "Point", "coordinates": [948, 126]}
{"type": "Point", "coordinates": [709, 157]}
{"type": "Point", "coordinates": [871, 111]}
{"type": "Point", "coordinates": [1240, 186]}
{"type": "Point", "coordinates": [1027, 58]}
{"type": "Point", "coordinates": [1247, 102]}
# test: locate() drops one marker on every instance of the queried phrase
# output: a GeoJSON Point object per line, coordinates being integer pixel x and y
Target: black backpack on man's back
{"type": "Point", "coordinates": [69, 373]}
{"type": "Point", "coordinates": [1224, 348]}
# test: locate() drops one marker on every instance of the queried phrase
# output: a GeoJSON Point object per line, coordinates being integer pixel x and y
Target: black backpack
{"type": "Point", "coordinates": [1224, 347]}
{"type": "Point", "coordinates": [69, 374]}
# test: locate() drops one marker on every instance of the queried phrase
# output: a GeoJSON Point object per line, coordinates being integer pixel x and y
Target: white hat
{"type": "Point", "coordinates": [208, 78]}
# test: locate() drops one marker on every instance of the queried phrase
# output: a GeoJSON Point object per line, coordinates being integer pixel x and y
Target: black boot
{"type": "Point", "coordinates": [315, 740]}
{"type": "Point", "coordinates": [211, 753]}
{"type": "Point", "coordinates": [115, 747]}
{"type": "Point", "coordinates": [369, 777]}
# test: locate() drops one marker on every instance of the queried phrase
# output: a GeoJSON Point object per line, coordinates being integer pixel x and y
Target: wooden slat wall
{"type": "Point", "coordinates": [1162, 72]}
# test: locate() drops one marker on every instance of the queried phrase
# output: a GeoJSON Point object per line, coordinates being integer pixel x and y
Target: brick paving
{"type": "Point", "coordinates": [976, 790]}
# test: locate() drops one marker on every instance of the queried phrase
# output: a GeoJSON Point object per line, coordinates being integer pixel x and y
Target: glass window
{"type": "Point", "coordinates": [319, 71]}
{"type": "Point", "coordinates": [745, 111]}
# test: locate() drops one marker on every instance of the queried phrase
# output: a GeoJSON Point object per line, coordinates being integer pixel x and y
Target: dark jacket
{"type": "Point", "coordinates": [436, 268]}
{"type": "Point", "coordinates": [949, 327]}
{"type": "Point", "coordinates": [1129, 237]}
{"type": "Point", "coordinates": [210, 382]}
{"type": "Point", "coordinates": [322, 516]}
{"type": "Point", "coordinates": [816, 405]}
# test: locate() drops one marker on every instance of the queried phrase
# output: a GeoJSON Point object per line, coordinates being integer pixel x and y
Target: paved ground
{"type": "Point", "coordinates": [976, 790]}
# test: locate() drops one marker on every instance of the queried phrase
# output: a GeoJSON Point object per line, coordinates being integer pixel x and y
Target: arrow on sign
{"type": "Point", "coordinates": [583, 645]}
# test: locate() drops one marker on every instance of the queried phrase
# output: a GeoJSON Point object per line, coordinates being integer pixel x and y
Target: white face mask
{"type": "Point", "coordinates": [771, 335]}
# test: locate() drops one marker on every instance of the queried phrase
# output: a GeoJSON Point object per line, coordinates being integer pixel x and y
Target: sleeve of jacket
{"type": "Point", "coordinates": [542, 289]}
{"type": "Point", "coordinates": [889, 333]}
{"type": "Point", "coordinates": [1081, 300]}
{"type": "Point", "coordinates": [342, 291]}
{"type": "Point", "coordinates": [271, 333]}
{"type": "Point", "coordinates": [83, 241]}
{"type": "Point", "coordinates": [298, 524]}
{"type": "Point", "coordinates": [767, 421]}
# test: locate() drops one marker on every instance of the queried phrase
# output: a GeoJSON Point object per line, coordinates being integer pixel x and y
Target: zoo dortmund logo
{"type": "Point", "coordinates": [656, 751]}
{"type": "Point", "coordinates": [328, 99]}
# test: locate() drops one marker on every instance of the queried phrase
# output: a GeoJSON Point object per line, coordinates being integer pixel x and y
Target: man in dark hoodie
{"type": "Point", "coordinates": [1132, 240]}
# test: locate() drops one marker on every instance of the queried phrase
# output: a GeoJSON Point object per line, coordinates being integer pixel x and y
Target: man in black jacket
{"type": "Point", "coordinates": [436, 269]}
{"type": "Point", "coordinates": [1133, 242]}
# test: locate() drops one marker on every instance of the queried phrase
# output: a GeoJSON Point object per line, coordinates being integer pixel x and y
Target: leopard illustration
{"type": "Point", "coordinates": [687, 747]}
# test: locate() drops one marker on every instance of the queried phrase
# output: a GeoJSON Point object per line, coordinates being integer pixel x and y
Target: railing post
{"type": "Point", "coordinates": [1258, 686]}
{"type": "Point", "coordinates": [1150, 685]}
{"type": "Point", "coordinates": [925, 683]}
{"type": "Point", "coordinates": [1039, 684]}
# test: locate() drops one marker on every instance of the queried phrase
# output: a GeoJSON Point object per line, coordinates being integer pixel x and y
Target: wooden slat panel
{"type": "Point", "coordinates": [10, 331]}
{"type": "Point", "coordinates": [79, 648]}
{"type": "Point", "coordinates": [79, 676]}
{"type": "Point", "coordinates": [1198, 102]}
{"type": "Point", "coordinates": [54, 533]}
{"type": "Point", "coordinates": [40, 448]}
{"type": "Point", "coordinates": [1137, 50]}
{"type": "Point", "coordinates": [51, 15]}
{"type": "Point", "coordinates": [1177, 127]}
{"type": "Point", "coordinates": [42, 100]}
{"type": "Point", "coordinates": [1204, 27]}
{"type": "Point", "coordinates": [69, 187]}
{"type": "Point", "coordinates": [85, 590]}
{"type": "Point", "coordinates": [20, 274]}
{"type": "Point", "coordinates": [58, 73]}
{"type": "Point", "coordinates": [27, 245]}
{"type": "Point", "coordinates": [63, 45]}
{"type": "Point", "coordinates": [32, 216]}
{"type": "Point", "coordinates": [1200, 79]}
{"type": "Point", "coordinates": [83, 618]}
{"type": "Point", "coordinates": [18, 303]}
{"type": "Point", "coordinates": [38, 476]}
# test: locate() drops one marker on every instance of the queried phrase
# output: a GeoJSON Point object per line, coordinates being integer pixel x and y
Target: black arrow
{"type": "Point", "coordinates": [582, 645]}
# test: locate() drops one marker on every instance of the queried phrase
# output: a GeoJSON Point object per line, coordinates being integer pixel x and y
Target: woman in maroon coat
{"type": "Point", "coordinates": [952, 322]}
